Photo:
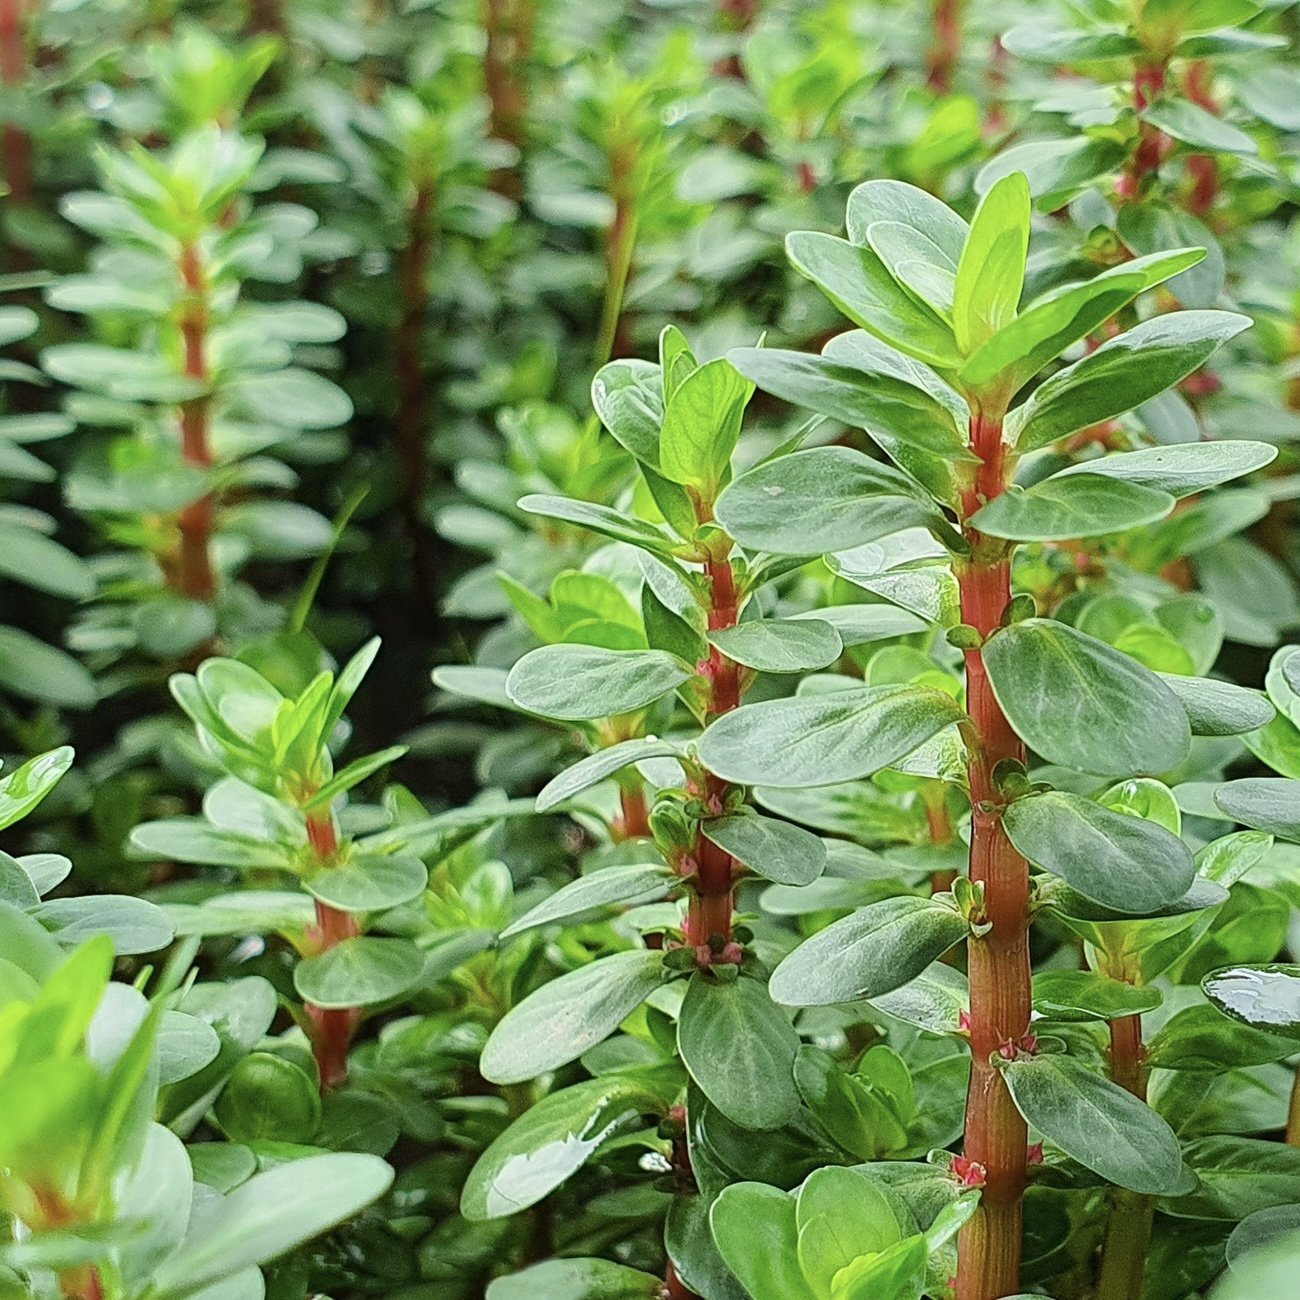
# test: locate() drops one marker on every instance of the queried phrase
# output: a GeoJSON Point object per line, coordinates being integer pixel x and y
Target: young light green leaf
{"type": "Point", "coordinates": [757, 1233]}
{"type": "Point", "coordinates": [562, 1019]}
{"type": "Point", "coordinates": [702, 425]}
{"type": "Point", "coordinates": [576, 682]}
{"type": "Point", "coordinates": [1083, 704]}
{"type": "Point", "coordinates": [739, 1047]}
{"type": "Point", "coordinates": [577, 1279]}
{"type": "Point", "coordinates": [822, 740]}
{"type": "Point", "coordinates": [1119, 861]}
{"type": "Point", "coordinates": [992, 269]}
{"type": "Point", "coordinates": [872, 952]}
{"type": "Point", "coordinates": [618, 524]}
{"type": "Point", "coordinates": [27, 785]}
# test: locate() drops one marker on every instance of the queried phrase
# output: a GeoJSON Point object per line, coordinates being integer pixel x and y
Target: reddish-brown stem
{"type": "Point", "coordinates": [995, 118]}
{"type": "Point", "coordinates": [1202, 167]}
{"type": "Point", "coordinates": [508, 41]}
{"type": "Point", "coordinates": [333, 1026]}
{"type": "Point", "coordinates": [1128, 1227]}
{"type": "Point", "coordinates": [412, 406]}
{"type": "Point", "coordinates": [1148, 84]}
{"type": "Point", "coordinates": [737, 17]}
{"type": "Point", "coordinates": [945, 52]}
{"type": "Point", "coordinates": [633, 821]}
{"type": "Point", "coordinates": [194, 575]}
{"type": "Point", "coordinates": [999, 970]}
{"type": "Point", "coordinates": [265, 18]}
{"type": "Point", "coordinates": [17, 145]}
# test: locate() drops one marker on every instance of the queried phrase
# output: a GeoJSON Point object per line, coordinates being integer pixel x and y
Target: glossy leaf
{"type": "Point", "coordinates": [576, 682]}
{"type": "Point", "coordinates": [1062, 508]}
{"type": "Point", "coordinates": [780, 645]}
{"type": "Point", "coordinates": [775, 850]}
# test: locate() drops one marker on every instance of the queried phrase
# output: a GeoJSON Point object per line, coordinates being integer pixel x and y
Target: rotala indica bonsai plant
{"type": "Point", "coordinates": [946, 374]}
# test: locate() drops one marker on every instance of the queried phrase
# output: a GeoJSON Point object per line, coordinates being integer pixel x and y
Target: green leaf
{"type": "Point", "coordinates": [1080, 995]}
{"type": "Point", "coordinates": [134, 925]}
{"type": "Point", "coordinates": [824, 739]}
{"type": "Point", "coordinates": [933, 1001]}
{"type": "Point", "coordinates": [1207, 1039]}
{"type": "Point", "coordinates": [1267, 997]}
{"type": "Point", "coordinates": [861, 624]}
{"type": "Point", "coordinates": [757, 1233]}
{"type": "Point", "coordinates": [1083, 704]}
{"type": "Point", "coordinates": [842, 1215]}
{"type": "Point", "coordinates": [292, 398]}
{"type": "Point", "coordinates": [702, 425]}
{"type": "Point", "coordinates": [268, 1216]}
{"type": "Point", "coordinates": [628, 397]}
{"type": "Point", "coordinates": [577, 682]}
{"type": "Point", "coordinates": [1063, 316]}
{"type": "Point", "coordinates": [822, 500]}
{"type": "Point", "coordinates": [577, 1279]}
{"type": "Point", "coordinates": [359, 972]}
{"type": "Point", "coordinates": [1096, 1122]}
{"type": "Point", "coordinates": [369, 882]}
{"type": "Point", "coordinates": [992, 270]}
{"type": "Point", "coordinates": [1238, 1177]}
{"type": "Point", "coordinates": [551, 1141]}
{"type": "Point", "coordinates": [27, 785]}
{"type": "Point", "coordinates": [859, 284]}
{"type": "Point", "coordinates": [605, 887]}
{"type": "Point", "coordinates": [876, 950]}
{"type": "Point", "coordinates": [907, 205]}
{"type": "Point", "coordinates": [1217, 708]}
{"type": "Point", "coordinates": [36, 671]}
{"type": "Point", "coordinates": [559, 1021]}
{"type": "Point", "coordinates": [777, 851]}
{"type": "Point", "coordinates": [1122, 862]}
{"type": "Point", "coordinates": [1062, 508]}
{"type": "Point", "coordinates": [780, 645]}
{"type": "Point", "coordinates": [1265, 803]}
{"type": "Point", "coordinates": [1196, 126]}
{"type": "Point", "coordinates": [739, 1046]}
{"type": "Point", "coordinates": [599, 767]}
{"type": "Point", "coordinates": [865, 399]}
{"type": "Point", "coordinates": [1057, 169]}
{"type": "Point", "coordinates": [1124, 372]}
{"type": "Point", "coordinates": [1180, 470]}
{"type": "Point", "coordinates": [618, 524]}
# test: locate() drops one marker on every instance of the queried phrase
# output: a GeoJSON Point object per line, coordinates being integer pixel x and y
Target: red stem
{"type": "Point", "coordinates": [412, 412]}
{"type": "Point", "coordinates": [1202, 167]}
{"type": "Point", "coordinates": [1148, 85]}
{"type": "Point", "coordinates": [15, 143]}
{"type": "Point", "coordinates": [999, 970]}
{"type": "Point", "coordinates": [945, 53]}
{"type": "Point", "coordinates": [633, 822]}
{"type": "Point", "coordinates": [737, 16]}
{"type": "Point", "coordinates": [334, 1026]}
{"type": "Point", "coordinates": [194, 575]}
{"type": "Point", "coordinates": [508, 41]}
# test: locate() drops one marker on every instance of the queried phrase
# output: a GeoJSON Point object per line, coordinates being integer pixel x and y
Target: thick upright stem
{"type": "Point", "coordinates": [1293, 1114]}
{"type": "Point", "coordinates": [633, 821]}
{"type": "Point", "coordinates": [999, 968]}
{"type": "Point", "coordinates": [945, 53]}
{"type": "Point", "coordinates": [195, 577]}
{"type": "Point", "coordinates": [1202, 167]}
{"type": "Point", "coordinates": [412, 406]}
{"type": "Point", "coordinates": [508, 40]}
{"type": "Point", "coordinates": [1148, 84]}
{"type": "Point", "coordinates": [620, 246]}
{"type": "Point", "coordinates": [334, 1026]}
{"type": "Point", "coordinates": [1128, 1229]}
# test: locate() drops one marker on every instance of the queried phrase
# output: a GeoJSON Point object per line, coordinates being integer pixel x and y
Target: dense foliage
{"type": "Point", "coordinates": [646, 650]}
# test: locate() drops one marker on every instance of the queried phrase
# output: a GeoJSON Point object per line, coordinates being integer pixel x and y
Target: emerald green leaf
{"type": "Point", "coordinates": [562, 1019]}
{"type": "Point", "coordinates": [823, 740]}
{"type": "Point", "coordinates": [858, 283]}
{"type": "Point", "coordinates": [628, 397]}
{"type": "Point", "coordinates": [551, 1141]}
{"type": "Point", "coordinates": [606, 887]}
{"type": "Point", "coordinates": [863, 399]}
{"type": "Point", "coordinates": [1180, 470]}
{"type": "Point", "coordinates": [992, 270]}
{"type": "Point", "coordinates": [757, 1233]}
{"type": "Point", "coordinates": [36, 671]}
{"type": "Point", "coordinates": [908, 205]}
{"type": "Point", "coordinates": [577, 682]}
{"type": "Point", "coordinates": [1267, 997]}
{"type": "Point", "coordinates": [933, 1001]}
{"type": "Point", "coordinates": [739, 1046]}
{"type": "Point", "coordinates": [1119, 861]}
{"type": "Point", "coordinates": [1196, 126]}
{"type": "Point", "coordinates": [702, 425]}
{"type": "Point", "coordinates": [23, 788]}
{"type": "Point", "coordinates": [369, 882]}
{"type": "Point", "coordinates": [192, 839]}
{"type": "Point", "coordinates": [1207, 1039]}
{"type": "Point", "coordinates": [1219, 708]}
{"type": "Point", "coordinates": [1083, 704]}
{"type": "Point", "coordinates": [353, 774]}
{"type": "Point", "coordinates": [1124, 372]}
{"type": "Point", "coordinates": [861, 624]}
{"type": "Point", "coordinates": [618, 524]}
{"type": "Point", "coordinates": [1063, 316]}
{"type": "Point", "coordinates": [822, 500]}
{"type": "Point", "coordinates": [134, 925]}
{"type": "Point", "coordinates": [1057, 169]}
{"type": "Point", "coordinates": [1266, 803]}
{"type": "Point", "coordinates": [1239, 1176]}
{"type": "Point", "coordinates": [598, 767]}
{"type": "Point", "coordinates": [268, 1216]}
{"type": "Point", "coordinates": [1082, 995]}
{"type": "Point", "coordinates": [916, 262]}
{"type": "Point", "coordinates": [780, 645]}
{"type": "Point", "coordinates": [1096, 1122]}
{"type": "Point", "coordinates": [577, 1279]}
{"type": "Point", "coordinates": [1062, 508]}
{"type": "Point", "coordinates": [777, 851]}
{"type": "Point", "coordinates": [359, 972]}
{"type": "Point", "coordinates": [872, 952]}
{"type": "Point", "coordinates": [842, 1215]}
